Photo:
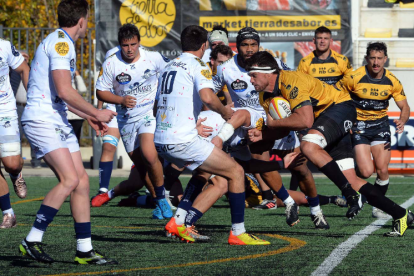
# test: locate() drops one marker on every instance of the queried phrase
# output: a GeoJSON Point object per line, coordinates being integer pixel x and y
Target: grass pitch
{"type": "Point", "coordinates": [138, 242]}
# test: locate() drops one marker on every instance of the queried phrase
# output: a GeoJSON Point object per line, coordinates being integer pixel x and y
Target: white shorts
{"type": "Point", "coordinates": [9, 130]}
{"type": "Point", "coordinates": [45, 137]}
{"type": "Point", "coordinates": [289, 142]}
{"type": "Point", "coordinates": [113, 123]}
{"type": "Point", "coordinates": [190, 155]}
{"type": "Point", "coordinates": [130, 131]}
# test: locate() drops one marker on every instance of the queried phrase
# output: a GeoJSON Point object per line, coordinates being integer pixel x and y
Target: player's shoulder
{"type": "Point", "coordinates": [357, 74]}
{"type": "Point", "coordinates": [338, 56]}
{"type": "Point", "coordinates": [8, 48]}
{"type": "Point", "coordinates": [4, 42]}
{"type": "Point", "coordinates": [308, 59]}
{"type": "Point", "coordinates": [392, 77]}
{"type": "Point", "coordinates": [228, 63]}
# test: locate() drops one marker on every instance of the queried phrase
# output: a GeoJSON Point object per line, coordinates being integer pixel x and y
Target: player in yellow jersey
{"type": "Point", "coordinates": [371, 88]}
{"type": "Point", "coordinates": [324, 63]}
{"type": "Point", "coordinates": [329, 113]}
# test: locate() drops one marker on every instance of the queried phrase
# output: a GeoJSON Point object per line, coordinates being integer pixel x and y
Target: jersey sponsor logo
{"type": "Point", "coordinates": [384, 93]}
{"type": "Point", "coordinates": [347, 125]}
{"type": "Point", "coordinates": [147, 74]}
{"type": "Point", "coordinates": [62, 48]}
{"type": "Point", "coordinates": [178, 64]}
{"type": "Point", "coordinates": [361, 125]}
{"type": "Point", "coordinates": [207, 74]}
{"type": "Point", "coordinates": [123, 78]}
{"type": "Point", "coordinates": [239, 86]}
{"type": "Point", "coordinates": [402, 92]}
{"type": "Point", "coordinates": [163, 116]}
{"type": "Point", "coordinates": [72, 65]}
{"type": "Point", "coordinates": [165, 107]}
{"type": "Point", "coordinates": [163, 126]}
{"type": "Point", "coordinates": [248, 102]}
{"type": "Point", "coordinates": [7, 124]}
{"type": "Point", "coordinates": [164, 148]}
{"type": "Point", "coordinates": [364, 90]}
{"type": "Point", "coordinates": [259, 124]}
{"type": "Point", "coordinates": [201, 62]}
{"type": "Point", "coordinates": [14, 51]}
{"type": "Point", "coordinates": [331, 70]}
{"type": "Point", "coordinates": [294, 93]}
{"type": "Point", "coordinates": [132, 66]}
{"type": "Point", "coordinates": [322, 70]}
{"type": "Point", "coordinates": [3, 64]}
{"type": "Point", "coordinates": [2, 79]}
{"type": "Point", "coordinates": [136, 89]}
{"type": "Point", "coordinates": [61, 34]}
{"type": "Point", "coordinates": [313, 70]}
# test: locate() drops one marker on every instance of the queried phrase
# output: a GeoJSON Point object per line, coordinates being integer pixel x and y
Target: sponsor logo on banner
{"type": "Point", "coordinates": [153, 18]}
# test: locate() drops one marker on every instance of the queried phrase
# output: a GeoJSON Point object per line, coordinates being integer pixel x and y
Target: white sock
{"type": "Point", "coordinates": [382, 182]}
{"type": "Point", "coordinates": [180, 216]}
{"type": "Point", "coordinates": [238, 228]}
{"type": "Point", "coordinates": [111, 193]}
{"type": "Point", "coordinates": [35, 235]}
{"type": "Point", "coordinates": [167, 194]}
{"type": "Point", "coordinates": [288, 201]}
{"type": "Point", "coordinates": [9, 211]}
{"type": "Point", "coordinates": [315, 210]}
{"type": "Point", "coordinates": [103, 190]}
{"type": "Point", "coordinates": [84, 245]}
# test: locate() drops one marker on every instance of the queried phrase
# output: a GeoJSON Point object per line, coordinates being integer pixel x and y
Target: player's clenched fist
{"type": "Point", "coordinates": [129, 101]}
{"type": "Point", "coordinates": [105, 115]}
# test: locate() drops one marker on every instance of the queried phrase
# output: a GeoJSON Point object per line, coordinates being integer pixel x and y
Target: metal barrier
{"type": "Point", "coordinates": [29, 39]}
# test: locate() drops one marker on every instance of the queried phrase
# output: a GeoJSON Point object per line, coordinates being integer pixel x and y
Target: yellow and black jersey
{"type": "Point", "coordinates": [329, 70]}
{"type": "Point", "coordinates": [220, 94]}
{"type": "Point", "coordinates": [301, 89]}
{"type": "Point", "coordinates": [372, 95]}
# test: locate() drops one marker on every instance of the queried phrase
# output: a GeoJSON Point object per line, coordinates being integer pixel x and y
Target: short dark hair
{"type": "Point", "coordinates": [70, 11]}
{"type": "Point", "coordinates": [321, 30]}
{"type": "Point", "coordinates": [377, 46]}
{"type": "Point", "coordinates": [220, 28]}
{"type": "Point", "coordinates": [193, 37]}
{"type": "Point", "coordinates": [262, 59]}
{"type": "Point", "coordinates": [222, 49]}
{"type": "Point", "coordinates": [128, 31]}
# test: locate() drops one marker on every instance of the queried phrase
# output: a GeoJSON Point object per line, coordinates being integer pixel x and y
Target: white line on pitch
{"type": "Point", "coordinates": [339, 253]}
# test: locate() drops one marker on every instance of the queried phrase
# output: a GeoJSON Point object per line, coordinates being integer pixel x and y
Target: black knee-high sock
{"type": "Point", "coordinates": [334, 173]}
{"type": "Point", "coordinates": [380, 186]}
{"type": "Point", "coordinates": [377, 199]}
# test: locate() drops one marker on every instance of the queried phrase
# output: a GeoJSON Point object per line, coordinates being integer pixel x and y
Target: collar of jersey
{"type": "Point", "coordinates": [330, 55]}
{"type": "Point", "coordinates": [372, 79]}
{"type": "Point", "coordinates": [67, 35]}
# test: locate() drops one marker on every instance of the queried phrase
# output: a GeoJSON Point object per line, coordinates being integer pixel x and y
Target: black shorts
{"type": "Point", "coordinates": [366, 132]}
{"type": "Point", "coordinates": [336, 122]}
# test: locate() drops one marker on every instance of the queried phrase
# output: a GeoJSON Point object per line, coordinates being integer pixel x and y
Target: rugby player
{"type": "Point", "coordinates": [132, 75]}
{"type": "Point", "coordinates": [324, 63]}
{"type": "Point", "coordinates": [371, 88]}
{"type": "Point", "coordinates": [45, 124]}
{"type": "Point", "coordinates": [218, 36]}
{"type": "Point", "coordinates": [329, 113]}
{"type": "Point", "coordinates": [10, 148]}
{"type": "Point", "coordinates": [184, 86]}
{"type": "Point", "coordinates": [243, 94]}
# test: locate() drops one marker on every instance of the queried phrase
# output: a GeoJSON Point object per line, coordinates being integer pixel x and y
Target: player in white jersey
{"type": "Point", "coordinates": [110, 141]}
{"type": "Point", "coordinates": [184, 86]}
{"type": "Point", "coordinates": [233, 74]}
{"type": "Point", "coordinates": [132, 73]}
{"type": "Point", "coordinates": [9, 130]}
{"type": "Point", "coordinates": [45, 124]}
{"type": "Point", "coordinates": [218, 36]}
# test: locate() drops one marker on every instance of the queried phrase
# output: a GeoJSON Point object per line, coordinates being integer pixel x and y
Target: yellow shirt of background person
{"type": "Point", "coordinates": [301, 89]}
{"type": "Point", "coordinates": [329, 70]}
{"type": "Point", "coordinates": [372, 95]}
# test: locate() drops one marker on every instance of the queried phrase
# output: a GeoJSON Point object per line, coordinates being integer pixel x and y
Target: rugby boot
{"type": "Point", "coordinates": [354, 206]}
{"type": "Point", "coordinates": [399, 226]}
{"type": "Point", "coordinates": [266, 205]}
{"type": "Point", "coordinates": [100, 199]}
{"type": "Point", "coordinates": [20, 187]}
{"type": "Point", "coordinates": [246, 239]}
{"type": "Point", "coordinates": [92, 257]}
{"type": "Point", "coordinates": [156, 214]}
{"type": "Point", "coordinates": [35, 251]}
{"type": "Point", "coordinates": [164, 207]}
{"type": "Point", "coordinates": [292, 214]}
{"type": "Point", "coordinates": [9, 221]}
{"type": "Point", "coordinates": [320, 221]}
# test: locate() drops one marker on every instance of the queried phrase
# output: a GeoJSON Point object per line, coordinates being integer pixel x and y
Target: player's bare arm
{"type": "Point", "coordinates": [23, 70]}
{"type": "Point", "coordinates": [300, 119]}
{"type": "Point", "coordinates": [109, 97]}
{"type": "Point", "coordinates": [212, 102]}
{"type": "Point", "coordinates": [63, 85]}
{"type": "Point", "coordinates": [404, 116]}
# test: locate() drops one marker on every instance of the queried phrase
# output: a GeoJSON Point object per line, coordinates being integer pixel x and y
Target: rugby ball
{"type": "Point", "coordinates": [279, 108]}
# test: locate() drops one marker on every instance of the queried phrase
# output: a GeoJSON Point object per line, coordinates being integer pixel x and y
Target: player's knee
{"type": "Point", "coordinates": [14, 166]}
{"type": "Point", "coordinates": [238, 172]}
{"type": "Point", "coordinates": [110, 140]}
{"type": "Point", "coordinates": [312, 142]}
{"type": "Point", "coordinates": [109, 148]}
{"type": "Point", "coordinates": [383, 172]}
{"type": "Point", "coordinates": [70, 183]}
{"type": "Point", "coordinates": [365, 172]}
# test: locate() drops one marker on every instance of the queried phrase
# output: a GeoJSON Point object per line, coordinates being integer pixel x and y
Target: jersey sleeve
{"type": "Point", "coordinates": [398, 91]}
{"type": "Point", "coordinates": [348, 82]}
{"type": "Point", "coordinates": [14, 58]}
{"type": "Point", "coordinates": [346, 66]}
{"type": "Point", "coordinates": [282, 65]}
{"type": "Point", "coordinates": [302, 66]}
{"type": "Point", "coordinates": [60, 55]}
{"type": "Point", "coordinates": [218, 80]}
{"type": "Point", "coordinates": [161, 62]}
{"type": "Point", "coordinates": [105, 79]}
{"type": "Point", "coordinates": [298, 95]}
{"type": "Point", "coordinates": [203, 78]}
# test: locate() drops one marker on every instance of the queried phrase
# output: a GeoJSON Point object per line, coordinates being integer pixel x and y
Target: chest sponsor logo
{"type": "Point", "coordinates": [364, 90]}
{"type": "Point", "coordinates": [123, 78]}
{"type": "Point", "coordinates": [294, 93]}
{"type": "Point", "coordinates": [384, 93]}
{"type": "Point", "coordinates": [62, 48]}
{"type": "Point", "coordinates": [331, 70]}
{"type": "Point", "coordinates": [239, 86]}
{"type": "Point", "coordinates": [322, 70]}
